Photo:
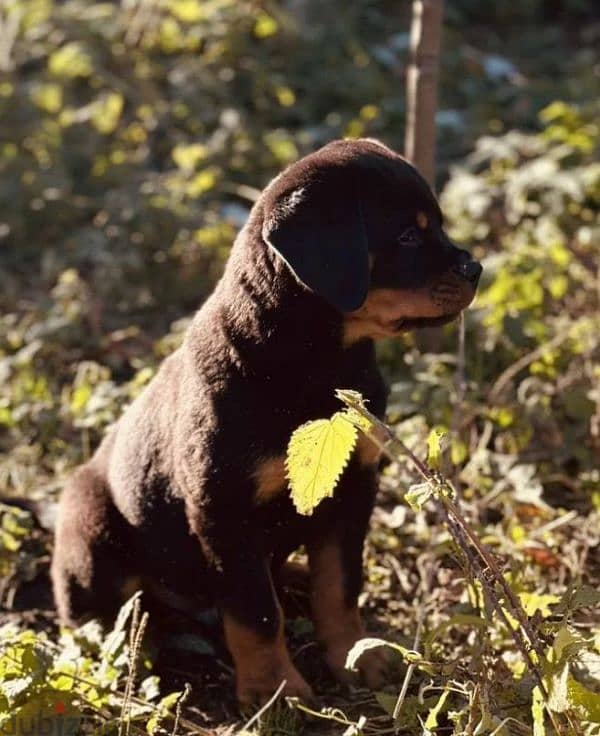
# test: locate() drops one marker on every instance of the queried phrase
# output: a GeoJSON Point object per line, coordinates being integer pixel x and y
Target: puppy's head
{"type": "Point", "coordinates": [360, 227]}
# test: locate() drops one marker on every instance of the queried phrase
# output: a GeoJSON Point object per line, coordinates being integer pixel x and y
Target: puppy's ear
{"type": "Point", "coordinates": [322, 237]}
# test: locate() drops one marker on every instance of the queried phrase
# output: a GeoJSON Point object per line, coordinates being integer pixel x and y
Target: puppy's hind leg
{"type": "Point", "coordinates": [88, 570]}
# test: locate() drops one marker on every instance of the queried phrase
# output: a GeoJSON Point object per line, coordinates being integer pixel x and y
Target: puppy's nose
{"type": "Point", "coordinates": [471, 270]}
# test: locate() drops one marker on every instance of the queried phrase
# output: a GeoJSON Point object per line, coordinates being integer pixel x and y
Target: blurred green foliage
{"type": "Point", "coordinates": [530, 206]}
{"type": "Point", "coordinates": [57, 687]}
{"type": "Point", "coordinates": [533, 203]}
{"type": "Point", "coordinates": [134, 137]}
{"type": "Point", "coordinates": [135, 133]}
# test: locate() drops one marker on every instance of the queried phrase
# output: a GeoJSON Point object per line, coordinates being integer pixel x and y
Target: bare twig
{"type": "Point", "coordinates": [512, 370]}
{"type": "Point", "coordinates": [184, 696]}
{"type": "Point", "coordinates": [479, 570]}
{"type": "Point", "coordinates": [461, 377]}
{"type": "Point", "coordinates": [265, 707]}
{"type": "Point", "coordinates": [461, 384]}
{"type": "Point", "coordinates": [138, 628]}
{"type": "Point", "coordinates": [422, 84]}
{"type": "Point", "coordinates": [480, 559]}
{"type": "Point", "coordinates": [10, 22]}
{"type": "Point", "coordinates": [425, 588]}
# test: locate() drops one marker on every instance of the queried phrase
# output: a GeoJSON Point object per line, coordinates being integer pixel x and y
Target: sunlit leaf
{"type": "Point", "coordinates": [358, 419]}
{"type": "Point", "coordinates": [187, 157]}
{"type": "Point", "coordinates": [557, 684]}
{"type": "Point", "coordinates": [585, 700]}
{"type": "Point", "coordinates": [432, 718]}
{"type": "Point", "coordinates": [163, 709]}
{"type": "Point", "coordinates": [115, 640]}
{"type": "Point", "coordinates": [188, 11]}
{"type": "Point", "coordinates": [48, 97]}
{"type": "Point", "coordinates": [533, 602]}
{"type": "Point", "coordinates": [107, 112]}
{"type": "Point", "coordinates": [71, 60]}
{"type": "Point", "coordinates": [265, 26]}
{"type": "Point", "coordinates": [362, 646]}
{"type": "Point", "coordinates": [418, 495]}
{"type": "Point", "coordinates": [285, 96]}
{"type": "Point", "coordinates": [436, 444]}
{"type": "Point", "coordinates": [317, 454]}
{"type": "Point", "coordinates": [203, 182]}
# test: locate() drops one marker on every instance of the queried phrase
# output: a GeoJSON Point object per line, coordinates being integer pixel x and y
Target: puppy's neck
{"type": "Point", "coordinates": [266, 315]}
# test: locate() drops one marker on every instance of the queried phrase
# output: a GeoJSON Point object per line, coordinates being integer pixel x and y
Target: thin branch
{"type": "Point", "coordinates": [480, 559]}
{"type": "Point", "coordinates": [265, 707]}
{"type": "Point", "coordinates": [422, 85]}
{"type": "Point", "coordinates": [512, 370]}
{"type": "Point", "coordinates": [425, 588]}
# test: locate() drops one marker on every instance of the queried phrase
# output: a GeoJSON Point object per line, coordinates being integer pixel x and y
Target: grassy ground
{"type": "Point", "coordinates": [125, 175]}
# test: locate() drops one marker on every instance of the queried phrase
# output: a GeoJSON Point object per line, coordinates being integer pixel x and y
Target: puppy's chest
{"type": "Point", "coordinates": [308, 401]}
{"type": "Point", "coordinates": [270, 473]}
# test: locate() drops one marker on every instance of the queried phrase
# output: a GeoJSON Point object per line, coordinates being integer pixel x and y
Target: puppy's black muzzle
{"type": "Point", "coordinates": [464, 265]}
{"type": "Point", "coordinates": [470, 270]}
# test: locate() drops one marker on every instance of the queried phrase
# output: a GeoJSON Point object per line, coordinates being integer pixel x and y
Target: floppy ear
{"type": "Point", "coordinates": [323, 240]}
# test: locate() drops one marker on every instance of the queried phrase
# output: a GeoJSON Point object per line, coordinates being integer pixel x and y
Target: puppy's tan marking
{"type": "Point", "coordinates": [368, 453]}
{"type": "Point", "coordinates": [270, 478]}
{"type": "Point", "coordinates": [262, 664]}
{"type": "Point", "coordinates": [337, 624]}
{"type": "Point", "coordinates": [384, 307]}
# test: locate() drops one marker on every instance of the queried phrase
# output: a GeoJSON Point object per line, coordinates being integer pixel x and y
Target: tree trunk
{"type": "Point", "coordinates": [422, 84]}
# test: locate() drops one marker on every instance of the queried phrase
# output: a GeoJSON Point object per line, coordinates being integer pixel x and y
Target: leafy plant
{"type": "Point", "coordinates": [135, 137]}
{"type": "Point", "coordinates": [555, 690]}
{"type": "Point", "coordinates": [83, 678]}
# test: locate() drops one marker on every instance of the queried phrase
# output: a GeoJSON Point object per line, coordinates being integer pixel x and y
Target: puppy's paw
{"type": "Point", "coordinates": [255, 688]}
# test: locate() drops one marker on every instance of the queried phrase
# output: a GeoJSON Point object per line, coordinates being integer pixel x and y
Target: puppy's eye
{"type": "Point", "coordinates": [410, 237]}
{"type": "Point", "coordinates": [422, 220]}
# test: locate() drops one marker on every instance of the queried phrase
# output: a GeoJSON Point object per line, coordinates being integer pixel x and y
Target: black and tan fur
{"type": "Point", "coordinates": [188, 488]}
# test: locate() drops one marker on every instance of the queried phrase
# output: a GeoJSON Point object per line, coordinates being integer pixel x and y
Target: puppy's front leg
{"type": "Point", "coordinates": [253, 624]}
{"type": "Point", "coordinates": [335, 560]}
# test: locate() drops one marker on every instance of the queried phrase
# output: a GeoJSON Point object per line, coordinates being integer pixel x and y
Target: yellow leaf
{"type": "Point", "coordinates": [369, 112]}
{"type": "Point", "coordinates": [285, 96]}
{"type": "Point", "coordinates": [558, 286]}
{"type": "Point", "coordinates": [586, 701]}
{"type": "Point", "coordinates": [187, 11]}
{"type": "Point", "coordinates": [432, 718]}
{"type": "Point", "coordinates": [418, 495]}
{"type": "Point", "coordinates": [518, 534]}
{"type": "Point", "coordinates": [533, 602]}
{"type": "Point", "coordinates": [317, 454]}
{"type": "Point", "coordinates": [458, 451]}
{"type": "Point", "coordinates": [47, 97]}
{"type": "Point", "coordinates": [187, 157]}
{"type": "Point", "coordinates": [436, 443]}
{"type": "Point", "coordinates": [70, 60]}
{"type": "Point", "coordinates": [203, 182]}
{"type": "Point", "coordinates": [265, 26]}
{"type": "Point", "coordinates": [359, 420]}
{"type": "Point", "coordinates": [107, 111]}
{"type": "Point", "coordinates": [81, 395]}
{"type": "Point", "coordinates": [537, 712]}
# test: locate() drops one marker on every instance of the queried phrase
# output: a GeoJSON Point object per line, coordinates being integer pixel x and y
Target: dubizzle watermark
{"type": "Point", "coordinates": [47, 720]}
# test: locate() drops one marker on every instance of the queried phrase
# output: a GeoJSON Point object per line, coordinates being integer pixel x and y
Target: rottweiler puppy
{"type": "Point", "coordinates": [188, 488]}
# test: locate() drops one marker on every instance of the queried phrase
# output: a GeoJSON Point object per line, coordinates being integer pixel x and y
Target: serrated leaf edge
{"type": "Point", "coordinates": [343, 464]}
